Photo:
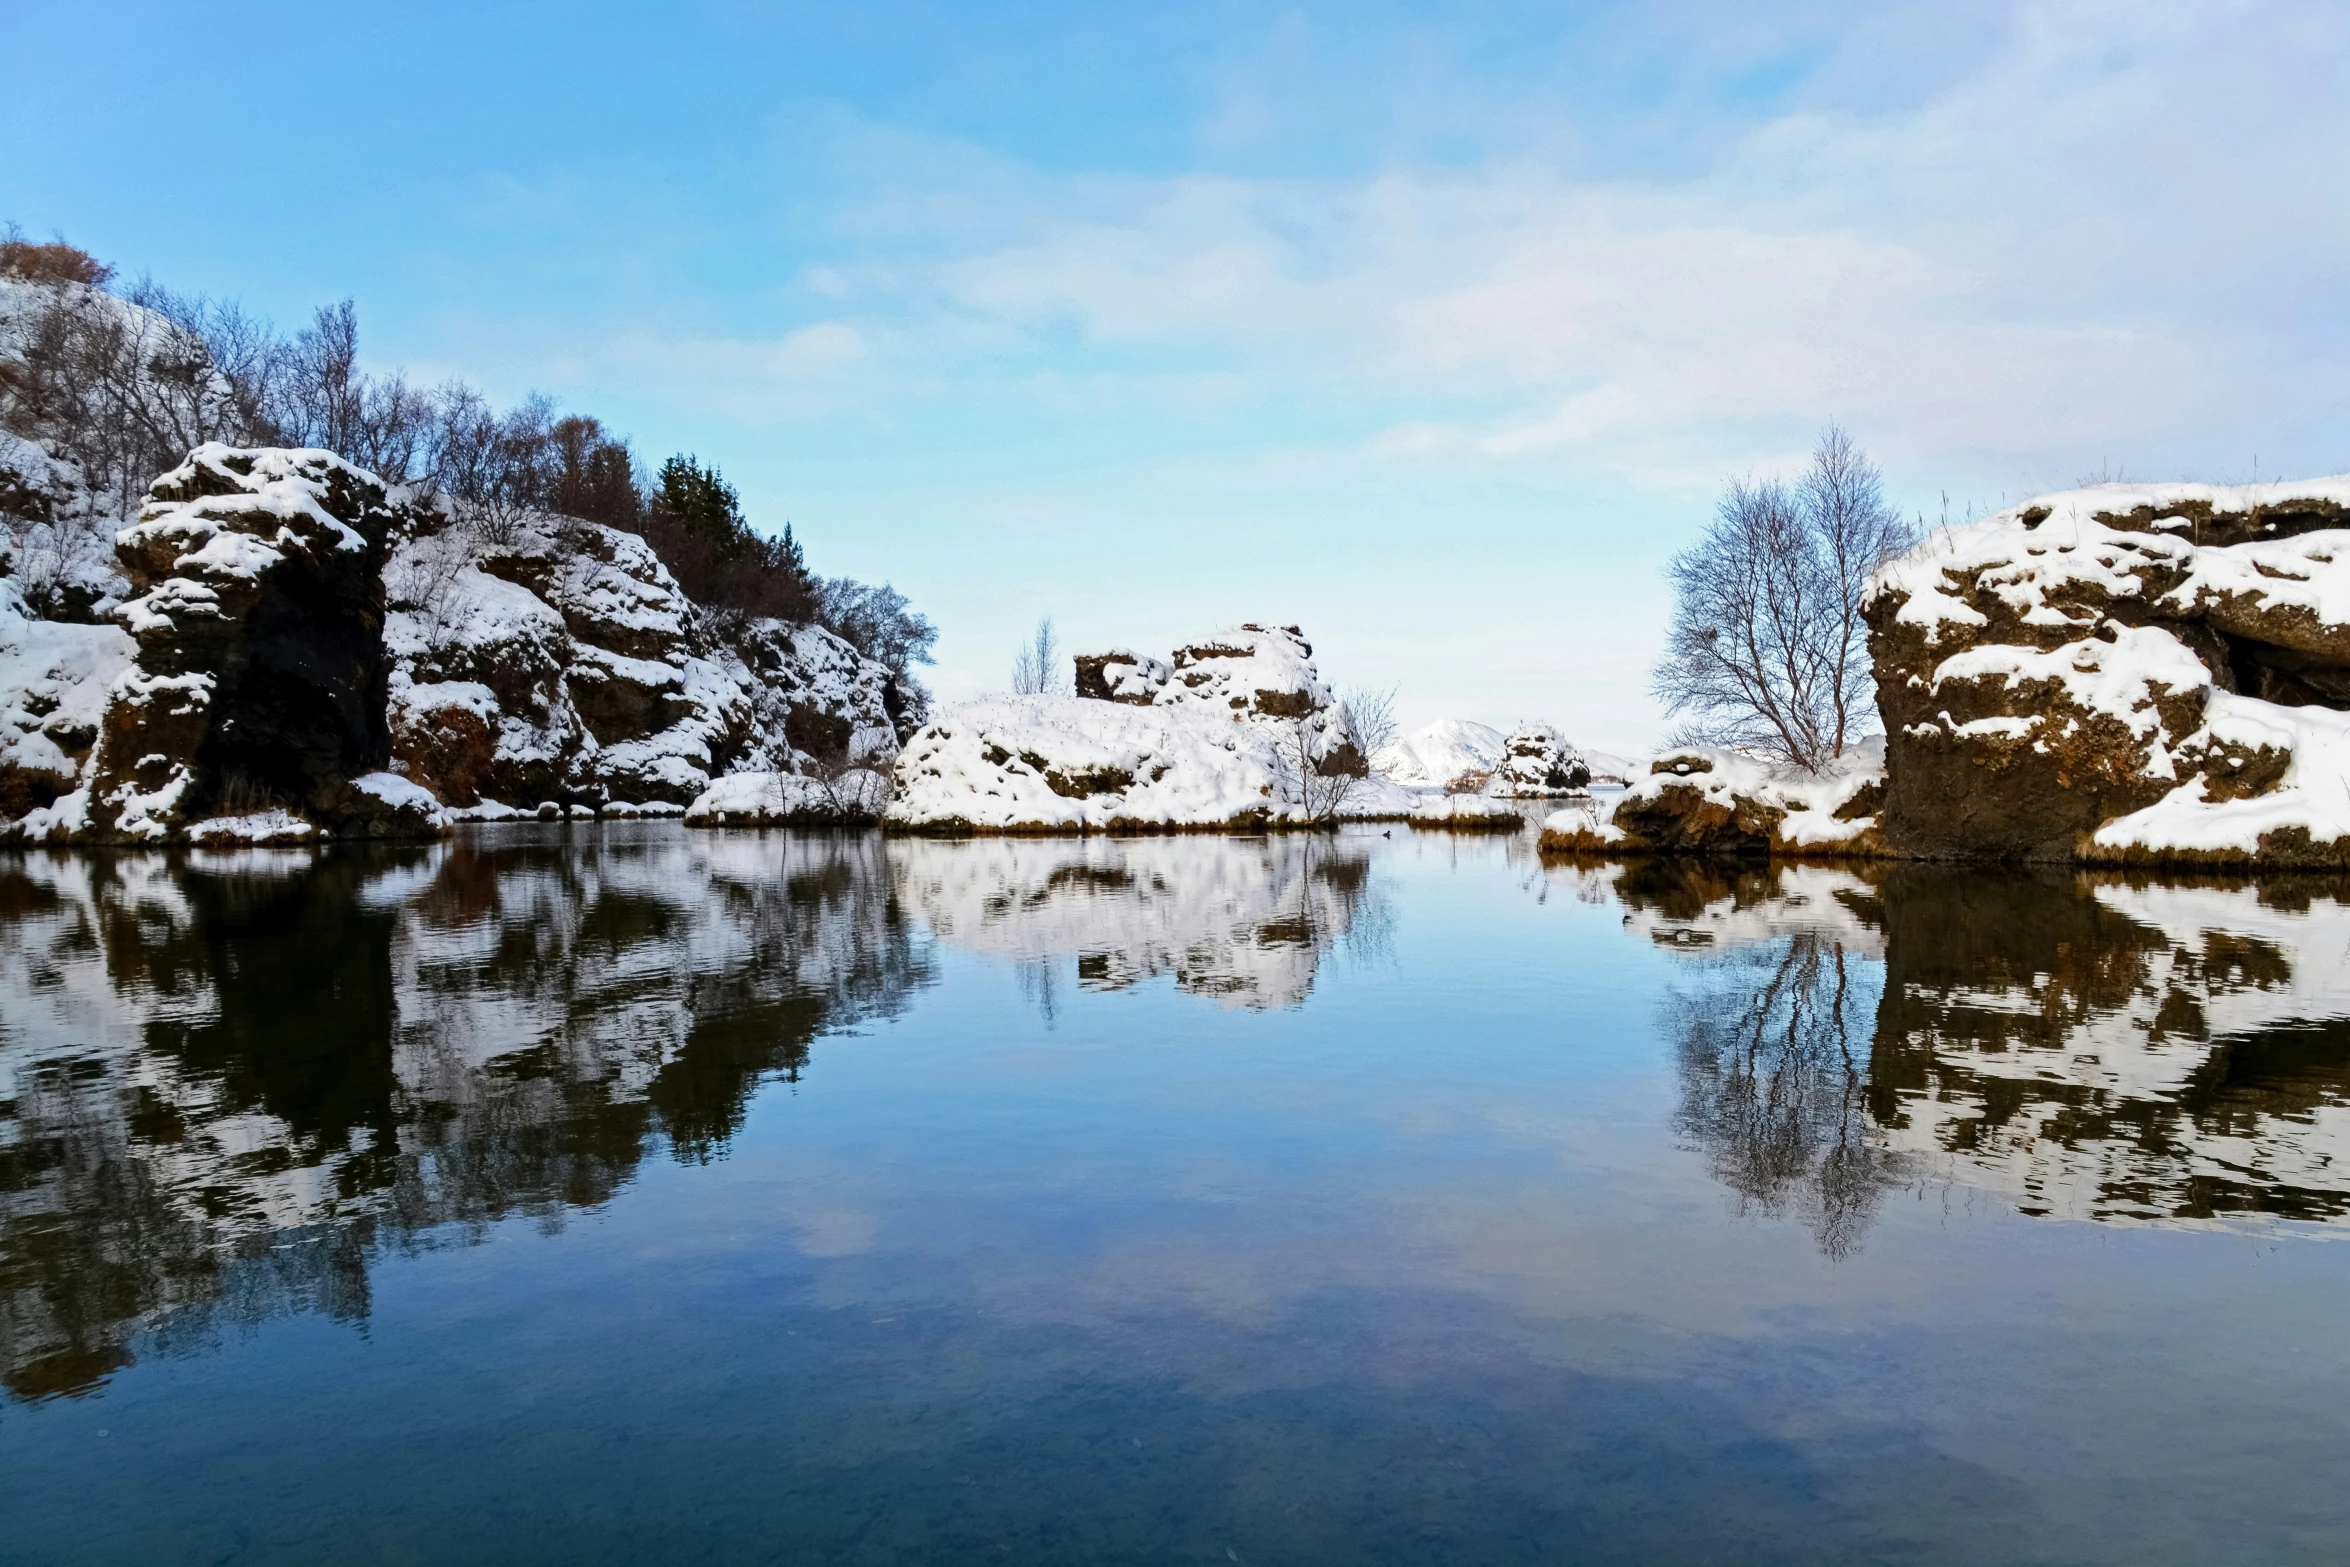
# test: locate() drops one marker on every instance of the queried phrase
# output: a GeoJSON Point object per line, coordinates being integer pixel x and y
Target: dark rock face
{"type": "Point", "coordinates": [260, 678]}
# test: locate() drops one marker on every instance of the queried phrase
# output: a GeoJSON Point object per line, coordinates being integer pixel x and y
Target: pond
{"type": "Point", "coordinates": [622, 1193]}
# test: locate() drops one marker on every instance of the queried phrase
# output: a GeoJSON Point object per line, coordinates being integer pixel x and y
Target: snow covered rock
{"type": "Point", "coordinates": [1539, 762]}
{"type": "Point", "coordinates": [1069, 764]}
{"type": "Point", "coordinates": [1236, 733]}
{"type": "Point", "coordinates": [1703, 801]}
{"type": "Point", "coordinates": [1447, 754]}
{"type": "Point", "coordinates": [55, 544]}
{"type": "Point", "coordinates": [1122, 675]}
{"type": "Point", "coordinates": [564, 661]}
{"type": "Point", "coordinates": [259, 678]}
{"type": "Point", "coordinates": [2123, 672]}
{"type": "Point", "coordinates": [54, 676]}
{"type": "Point", "coordinates": [1257, 675]}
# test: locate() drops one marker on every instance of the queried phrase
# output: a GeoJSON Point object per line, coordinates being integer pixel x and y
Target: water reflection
{"type": "Point", "coordinates": [2090, 1047]}
{"type": "Point", "coordinates": [227, 1081]}
{"type": "Point", "coordinates": [230, 1084]}
{"type": "Point", "coordinates": [1244, 922]}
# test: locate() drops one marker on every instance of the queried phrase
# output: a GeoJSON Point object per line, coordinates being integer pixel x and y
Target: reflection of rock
{"type": "Point", "coordinates": [233, 1079]}
{"type": "Point", "coordinates": [1693, 904]}
{"type": "Point", "coordinates": [1243, 921]}
{"type": "Point", "coordinates": [2091, 1049]}
{"type": "Point", "coordinates": [2116, 1052]}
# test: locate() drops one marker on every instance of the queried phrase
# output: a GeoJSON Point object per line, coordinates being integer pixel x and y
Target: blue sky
{"type": "Point", "coordinates": [1432, 328]}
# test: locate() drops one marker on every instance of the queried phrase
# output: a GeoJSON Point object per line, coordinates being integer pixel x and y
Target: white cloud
{"type": "Point", "coordinates": [1994, 273]}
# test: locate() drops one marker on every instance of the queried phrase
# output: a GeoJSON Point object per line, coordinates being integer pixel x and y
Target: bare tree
{"type": "Point", "coordinates": [1368, 716]}
{"type": "Point", "coordinates": [1324, 782]}
{"type": "Point", "coordinates": [1768, 650]}
{"type": "Point", "coordinates": [1036, 667]}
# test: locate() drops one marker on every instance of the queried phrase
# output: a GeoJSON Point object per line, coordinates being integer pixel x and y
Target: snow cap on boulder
{"type": "Point", "coordinates": [1539, 761]}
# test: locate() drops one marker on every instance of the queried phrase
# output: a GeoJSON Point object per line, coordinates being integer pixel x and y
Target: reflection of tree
{"type": "Point", "coordinates": [2103, 1047]}
{"type": "Point", "coordinates": [236, 1081]}
{"type": "Point", "coordinates": [1771, 1089]}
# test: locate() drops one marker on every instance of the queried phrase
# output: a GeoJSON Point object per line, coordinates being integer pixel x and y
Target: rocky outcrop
{"type": "Point", "coordinates": [56, 543]}
{"type": "Point", "coordinates": [257, 679]}
{"type": "Point", "coordinates": [2123, 673]}
{"type": "Point", "coordinates": [1537, 761]}
{"type": "Point", "coordinates": [54, 676]}
{"type": "Point", "coordinates": [1704, 801]}
{"type": "Point", "coordinates": [1238, 732]}
{"type": "Point", "coordinates": [1122, 675]}
{"type": "Point", "coordinates": [307, 651]}
{"type": "Point", "coordinates": [562, 662]}
{"type": "Point", "coordinates": [851, 797]}
{"type": "Point", "coordinates": [1259, 675]}
{"type": "Point", "coordinates": [1048, 764]}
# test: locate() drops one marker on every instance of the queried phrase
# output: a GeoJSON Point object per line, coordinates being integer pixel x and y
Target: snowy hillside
{"type": "Point", "coordinates": [1436, 755]}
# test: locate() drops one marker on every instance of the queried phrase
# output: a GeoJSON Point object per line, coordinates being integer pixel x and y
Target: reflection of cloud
{"type": "Point", "coordinates": [1242, 920]}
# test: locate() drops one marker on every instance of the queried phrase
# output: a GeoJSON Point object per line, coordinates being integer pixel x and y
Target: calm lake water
{"type": "Point", "coordinates": [628, 1194]}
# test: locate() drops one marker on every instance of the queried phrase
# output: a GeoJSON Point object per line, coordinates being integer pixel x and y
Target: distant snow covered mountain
{"type": "Point", "coordinates": [1606, 767]}
{"type": "Point", "coordinates": [1433, 756]}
